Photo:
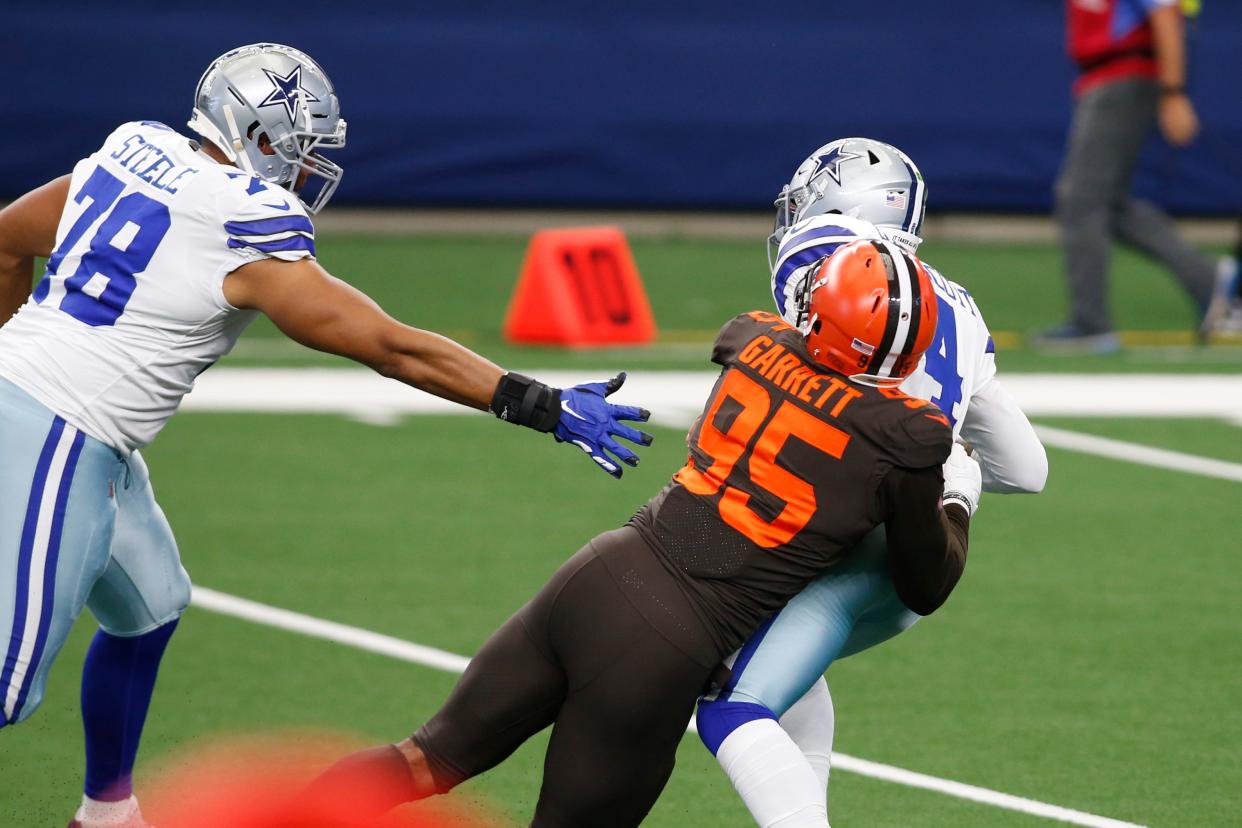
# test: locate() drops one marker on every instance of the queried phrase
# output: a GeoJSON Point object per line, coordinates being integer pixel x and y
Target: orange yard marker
{"type": "Point", "coordinates": [579, 287]}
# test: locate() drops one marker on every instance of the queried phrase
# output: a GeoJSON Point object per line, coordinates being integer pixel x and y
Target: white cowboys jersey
{"type": "Point", "coordinates": [131, 309]}
{"type": "Point", "coordinates": [958, 371]}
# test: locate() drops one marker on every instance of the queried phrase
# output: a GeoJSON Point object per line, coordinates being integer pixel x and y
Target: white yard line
{"type": "Point", "coordinates": [898, 776]}
{"type": "Point", "coordinates": [296, 622]}
{"type": "Point", "coordinates": [356, 637]}
{"type": "Point", "coordinates": [1135, 453]}
{"type": "Point", "coordinates": [676, 397]}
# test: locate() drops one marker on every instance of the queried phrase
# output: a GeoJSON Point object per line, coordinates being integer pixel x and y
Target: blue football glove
{"type": "Point", "coordinates": [591, 423]}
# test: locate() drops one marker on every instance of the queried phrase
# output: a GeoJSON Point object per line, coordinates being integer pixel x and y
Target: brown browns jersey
{"type": "Point", "coordinates": [786, 473]}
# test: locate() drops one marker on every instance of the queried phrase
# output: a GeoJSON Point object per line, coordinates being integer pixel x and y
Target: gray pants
{"type": "Point", "coordinates": [1094, 205]}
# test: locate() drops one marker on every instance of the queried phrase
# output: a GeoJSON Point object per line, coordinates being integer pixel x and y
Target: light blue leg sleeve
{"type": "Point", "coordinates": [841, 612]}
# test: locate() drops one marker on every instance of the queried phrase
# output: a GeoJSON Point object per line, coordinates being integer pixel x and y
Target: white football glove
{"type": "Point", "coordinates": [963, 480]}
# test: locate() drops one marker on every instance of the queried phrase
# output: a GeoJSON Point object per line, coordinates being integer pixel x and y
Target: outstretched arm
{"type": "Point", "coordinates": [320, 311]}
{"type": "Point", "coordinates": [27, 229]}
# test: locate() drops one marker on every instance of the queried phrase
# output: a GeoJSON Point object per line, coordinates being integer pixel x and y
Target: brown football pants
{"type": "Point", "coordinates": [582, 657]}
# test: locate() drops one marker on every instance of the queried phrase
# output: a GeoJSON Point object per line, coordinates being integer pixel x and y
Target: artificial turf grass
{"type": "Point", "coordinates": [1089, 641]}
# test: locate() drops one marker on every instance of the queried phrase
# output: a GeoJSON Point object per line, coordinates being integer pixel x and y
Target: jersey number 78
{"type": "Point", "coordinates": [98, 291]}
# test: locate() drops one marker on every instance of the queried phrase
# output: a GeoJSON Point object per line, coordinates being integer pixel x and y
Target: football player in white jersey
{"type": "Point", "coordinates": [160, 251]}
{"type": "Point", "coordinates": [771, 726]}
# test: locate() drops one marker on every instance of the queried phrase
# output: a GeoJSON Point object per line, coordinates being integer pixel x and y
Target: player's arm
{"type": "Point", "coordinates": [27, 229]}
{"type": "Point", "coordinates": [1178, 121]}
{"type": "Point", "coordinates": [928, 528]}
{"type": "Point", "coordinates": [1009, 451]}
{"type": "Point", "coordinates": [320, 311]}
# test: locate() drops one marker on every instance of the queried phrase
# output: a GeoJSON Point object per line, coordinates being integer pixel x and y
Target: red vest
{"type": "Point", "coordinates": [1110, 40]}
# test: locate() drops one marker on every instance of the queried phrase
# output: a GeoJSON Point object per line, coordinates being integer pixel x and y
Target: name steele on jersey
{"type": "Point", "coordinates": [131, 308]}
{"type": "Point", "coordinates": [789, 372]}
{"type": "Point", "coordinates": [161, 173]}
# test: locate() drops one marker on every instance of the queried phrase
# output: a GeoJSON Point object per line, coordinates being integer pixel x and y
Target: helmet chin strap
{"type": "Point", "coordinates": [235, 140]}
{"type": "Point", "coordinates": [232, 147]}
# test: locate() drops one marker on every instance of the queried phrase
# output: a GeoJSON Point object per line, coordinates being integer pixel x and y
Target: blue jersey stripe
{"type": "Point", "coordinates": [25, 551]}
{"type": "Point", "coordinates": [49, 569]}
{"type": "Point", "coordinates": [797, 260]}
{"type": "Point", "coordinates": [278, 246]}
{"type": "Point", "coordinates": [826, 231]}
{"type": "Point", "coordinates": [269, 226]}
{"type": "Point", "coordinates": [786, 266]}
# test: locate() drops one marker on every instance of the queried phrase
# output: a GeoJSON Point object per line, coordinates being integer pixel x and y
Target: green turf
{"type": "Point", "coordinates": [1088, 659]}
{"type": "Point", "coordinates": [461, 287]}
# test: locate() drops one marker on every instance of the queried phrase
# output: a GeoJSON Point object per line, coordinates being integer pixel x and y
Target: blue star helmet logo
{"type": "Point", "coordinates": [288, 91]}
{"type": "Point", "coordinates": [830, 162]}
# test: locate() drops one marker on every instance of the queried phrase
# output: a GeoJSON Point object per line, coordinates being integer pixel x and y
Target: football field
{"type": "Point", "coordinates": [1088, 660]}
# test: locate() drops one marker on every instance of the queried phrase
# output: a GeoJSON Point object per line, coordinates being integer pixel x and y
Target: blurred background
{"type": "Point", "coordinates": [653, 104]}
{"type": "Point", "coordinates": [1095, 633]}
{"type": "Point", "coordinates": [679, 122]}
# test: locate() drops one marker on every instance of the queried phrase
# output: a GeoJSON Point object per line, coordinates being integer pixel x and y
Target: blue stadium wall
{"type": "Point", "coordinates": [647, 104]}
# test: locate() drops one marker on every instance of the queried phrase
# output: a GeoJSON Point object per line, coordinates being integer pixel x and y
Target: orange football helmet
{"type": "Point", "coordinates": [871, 312]}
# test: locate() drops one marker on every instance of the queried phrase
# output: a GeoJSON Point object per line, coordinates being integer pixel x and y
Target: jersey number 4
{"type": "Point", "coordinates": [750, 404]}
{"type": "Point", "coordinates": [132, 228]}
{"type": "Point", "coordinates": [942, 367]}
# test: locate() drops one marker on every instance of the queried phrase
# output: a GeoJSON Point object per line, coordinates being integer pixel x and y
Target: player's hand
{"type": "Point", "coordinates": [592, 424]}
{"type": "Point", "coordinates": [1179, 124]}
{"type": "Point", "coordinates": [963, 479]}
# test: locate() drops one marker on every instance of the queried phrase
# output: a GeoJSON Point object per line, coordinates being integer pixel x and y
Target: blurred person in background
{"type": "Point", "coordinates": [1131, 56]}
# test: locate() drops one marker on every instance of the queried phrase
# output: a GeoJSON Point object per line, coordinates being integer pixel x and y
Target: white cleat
{"type": "Point", "coordinates": [123, 814]}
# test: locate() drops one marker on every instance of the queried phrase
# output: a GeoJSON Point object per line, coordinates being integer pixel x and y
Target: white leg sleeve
{"type": "Point", "coordinates": [773, 777]}
{"type": "Point", "coordinates": [811, 724]}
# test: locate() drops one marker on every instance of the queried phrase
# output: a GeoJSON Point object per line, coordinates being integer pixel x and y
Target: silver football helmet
{"type": "Point", "coordinates": [857, 177]}
{"type": "Point", "coordinates": [275, 92]}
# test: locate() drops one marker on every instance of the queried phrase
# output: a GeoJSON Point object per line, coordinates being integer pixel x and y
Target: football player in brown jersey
{"type": "Point", "coordinates": [804, 446]}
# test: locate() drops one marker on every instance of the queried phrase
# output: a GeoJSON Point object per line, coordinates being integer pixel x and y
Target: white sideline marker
{"type": "Point", "coordinates": [373, 642]}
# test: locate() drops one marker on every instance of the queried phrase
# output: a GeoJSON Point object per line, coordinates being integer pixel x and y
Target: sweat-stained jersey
{"type": "Point", "coordinates": [789, 467]}
{"type": "Point", "coordinates": [131, 309]}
